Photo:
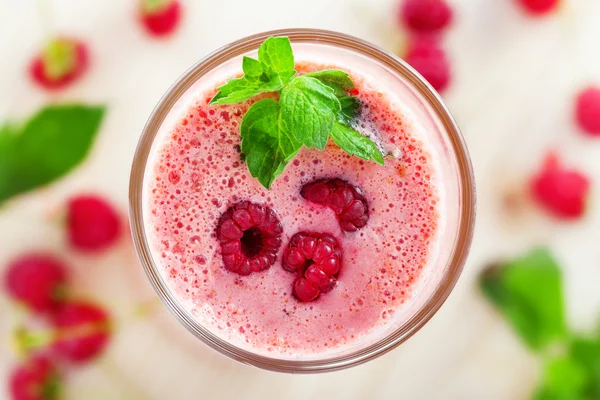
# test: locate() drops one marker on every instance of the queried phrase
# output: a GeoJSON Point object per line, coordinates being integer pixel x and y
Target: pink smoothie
{"type": "Point", "coordinates": [198, 174]}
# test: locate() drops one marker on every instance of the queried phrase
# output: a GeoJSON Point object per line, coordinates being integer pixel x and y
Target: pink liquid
{"type": "Point", "coordinates": [198, 174]}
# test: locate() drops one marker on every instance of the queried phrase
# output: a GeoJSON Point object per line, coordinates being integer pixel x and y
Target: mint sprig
{"type": "Point", "coordinates": [311, 108]}
{"type": "Point", "coordinates": [528, 291]}
{"type": "Point", "coordinates": [46, 147]}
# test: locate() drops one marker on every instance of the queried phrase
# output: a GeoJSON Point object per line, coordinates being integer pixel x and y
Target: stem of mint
{"type": "Point", "coordinates": [311, 109]}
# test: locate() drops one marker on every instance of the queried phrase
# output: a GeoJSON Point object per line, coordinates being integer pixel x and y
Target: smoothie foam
{"type": "Point", "coordinates": [197, 173]}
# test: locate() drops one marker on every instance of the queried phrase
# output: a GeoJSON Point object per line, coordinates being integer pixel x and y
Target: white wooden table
{"type": "Point", "coordinates": [512, 93]}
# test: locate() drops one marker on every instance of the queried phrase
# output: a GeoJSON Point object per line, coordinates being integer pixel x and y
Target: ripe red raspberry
{"type": "Point", "coordinates": [38, 280]}
{"type": "Point", "coordinates": [160, 17]}
{"type": "Point", "coordinates": [37, 379]}
{"type": "Point", "coordinates": [82, 331]}
{"type": "Point", "coordinates": [539, 7]}
{"type": "Point", "coordinates": [250, 236]}
{"type": "Point", "coordinates": [346, 200]}
{"type": "Point", "coordinates": [61, 62]}
{"type": "Point", "coordinates": [425, 16]}
{"type": "Point", "coordinates": [587, 110]}
{"type": "Point", "coordinates": [562, 192]}
{"type": "Point", "coordinates": [316, 258]}
{"type": "Point", "coordinates": [431, 61]}
{"type": "Point", "coordinates": [93, 223]}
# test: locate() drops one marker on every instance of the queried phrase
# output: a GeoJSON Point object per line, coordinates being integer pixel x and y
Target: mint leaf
{"type": "Point", "coordinates": [308, 111]}
{"type": "Point", "coordinates": [574, 374]}
{"type": "Point", "coordinates": [251, 67]}
{"type": "Point", "coordinates": [273, 69]}
{"type": "Point", "coordinates": [276, 53]}
{"type": "Point", "coordinates": [338, 80]}
{"type": "Point", "coordinates": [237, 90]}
{"type": "Point", "coordinates": [242, 89]}
{"type": "Point", "coordinates": [528, 291]}
{"type": "Point", "coordinates": [586, 351]}
{"type": "Point", "coordinates": [267, 148]}
{"type": "Point", "coordinates": [350, 106]}
{"type": "Point", "coordinates": [355, 144]}
{"type": "Point", "coordinates": [564, 379]}
{"type": "Point", "coordinates": [49, 145]}
{"type": "Point", "coordinates": [7, 153]}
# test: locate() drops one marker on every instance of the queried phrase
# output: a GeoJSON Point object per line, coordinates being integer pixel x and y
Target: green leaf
{"type": "Point", "coordinates": [259, 78]}
{"type": "Point", "coordinates": [333, 76]}
{"type": "Point", "coordinates": [586, 351]}
{"type": "Point", "coordinates": [238, 90]}
{"type": "Point", "coordinates": [355, 144]}
{"type": "Point", "coordinates": [574, 375]}
{"type": "Point", "coordinates": [267, 148]}
{"type": "Point", "coordinates": [48, 146]}
{"type": "Point", "coordinates": [276, 53]}
{"type": "Point", "coordinates": [308, 111]}
{"type": "Point", "coordinates": [252, 68]}
{"type": "Point", "coordinates": [528, 291]}
{"type": "Point", "coordinates": [564, 379]}
{"type": "Point", "coordinates": [350, 106]}
{"type": "Point", "coordinates": [337, 80]}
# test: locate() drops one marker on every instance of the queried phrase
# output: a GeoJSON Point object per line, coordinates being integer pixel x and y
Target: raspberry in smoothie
{"type": "Point", "coordinates": [328, 256]}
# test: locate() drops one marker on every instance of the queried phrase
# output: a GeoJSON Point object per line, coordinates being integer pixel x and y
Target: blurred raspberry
{"type": "Point", "coordinates": [539, 7]}
{"type": "Point", "coordinates": [425, 16]}
{"type": "Point", "coordinates": [38, 280]}
{"type": "Point", "coordinates": [587, 110]}
{"type": "Point", "coordinates": [160, 17]}
{"type": "Point", "coordinates": [560, 191]}
{"type": "Point", "coordinates": [61, 62]}
{"type": "Point", "coordinates": [93, 224]}
{"type": "Point", "coordinates": [431, 61]}
{"type": "Point", "coordinates": [82, 331]}
{"type": "Point", "coordinates": [37, 379]}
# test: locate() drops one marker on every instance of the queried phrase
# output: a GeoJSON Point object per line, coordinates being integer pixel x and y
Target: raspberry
{"type": "Point", "coordinates": [560, 191]}
{"type": "Point", "coordinates": [250, 237]}
{"type": "Point", "coordinates": [160, 17]}
{"type": "Point", "coordinates": [425, 16]}
{"type": "Point", "coordinates": [37, 379]}
{"type": "Point", "coordinates": [93, 223]}
{"type": "Point", "coordinates": [431, 61]}
{"type": "Point", "coordinates": [316, 258]}
{"type": "Point", "coordinates": [61, 62]}
{"type": "Point", "coordinates": [346, 200]}
{"type": "Point", "coordinates": [82, 331]}
{"type": "Point", "coordinates": [539, 7]}
{"type": "Point", "coordinates": [587, 110]}
{"type": "Point", "coordinates": [38, 280]}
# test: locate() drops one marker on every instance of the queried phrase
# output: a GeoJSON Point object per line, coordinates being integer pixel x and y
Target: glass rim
{"type": "Point", "coordinates": [467, 204]}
